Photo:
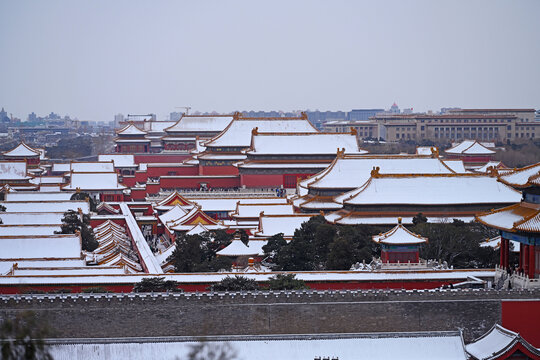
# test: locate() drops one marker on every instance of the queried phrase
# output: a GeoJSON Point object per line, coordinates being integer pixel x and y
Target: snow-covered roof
{"type": "Point", "coordinates": [61, 168]}
{"type": "Point", "coordinates": [94, 181]}
{"type": "Point", "coordinates": [45, 206]}
{"type": "Point", "coordinates": [470, 147]}
{"type": "Point", "coordinates": [352, 171]}
{"type": "Point", "coordinates": [229, 203]}
{"type": "Point", "coordinates": [270, 225]}
{"type": "Point", "coordinates": [456, 166]}
{"type": "Point", "coordinates": [173, 215]}
{"type": "Point", "coordinates": [197, 229]}
{"type": "Point", "coordinates": [310, 143]}
{"type": "Point", "coordinates": [238, 132]}
{"type": "Point", "coordinates": [425, 150]}
{"type": "Point", "coordinates": [254, 210]}
{"type": "Point", "coordinates": [13, 170]}
{"type": "Point", "coordinates": [201, 124]}
{"type": "Point", "coordinates": [493, 164]}
{"type": "Point", "coordinates": [212, 156]}
{"type": "Point", "coordinates": [399, 235]}
{"type": "Point", "coordinates": [281, 165]}
{"type": "Point", "coordinates": [521, 177]}
{"type": "Point", "coordinates": [38, 196]}
{"type": "Point", "coordinates": [495, 243]}
{"type": "Point", "coordinates": [38, 180]}
{"type": "Point", "coordinates": [194, 217]}
{"type": "Point", "coordinates": [430, 190]}
{"type": "Point", "coordinates": [419, 346]}
{"type": "Point", "coordinates": [238, 248]}
{"type": "Point", "coordinates": [131, 129]}
{"type": "Point", "coordinates": [157, 126]}
{"type": "Point", "coordinates": [119, 160]}
{"type": "Point", "coordinates": [497, 343]}
{"type": "Point", "coordinates": [521, 217]}
{"type": "Point", "coordinates": [31, 218]}
{"type": "Point", "coordinates": [91, 166]}
{"type": "Point", "coordinates": [40, 247]}
{"type": "Point", "coordinates": [24, 230]}
{"type": "Point", "coordinates": [22, 150]}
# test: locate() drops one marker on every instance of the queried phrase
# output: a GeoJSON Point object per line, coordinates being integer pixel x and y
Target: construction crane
{"type": "Point", "coordinates": [184, 107]}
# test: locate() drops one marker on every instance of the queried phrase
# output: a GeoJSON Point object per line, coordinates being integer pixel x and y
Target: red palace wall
{"type": "Point", "coordinates": [195, 181]}
{"type": "Point", "coordinates": [137, 194]}
{"type": "Point", "coordinates": [218, 170]}
{"type": "Point", "coordinates": [523, 317]}
{"type": "Point", "coordinates": [256, 181]}
{"type": "Point", "coordinates": [472, 159]}
{"type": "Point", "coordinates": [129, 180]}
{"type": "Point", "coordinates": [156, 171]}
{"type": "Point", "coordinates": [94, 223]}
{"type": "Point", "coordinates": [161, 158]}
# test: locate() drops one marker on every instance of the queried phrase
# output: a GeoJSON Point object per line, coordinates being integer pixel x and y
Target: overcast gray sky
{"type": "Point", "coordinates": [92, 59]}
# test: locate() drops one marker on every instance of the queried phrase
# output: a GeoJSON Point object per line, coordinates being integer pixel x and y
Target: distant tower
{"type": "Point", "coordinates": [394, 109]}
{"type": "Point", "coordinates": [118, 118]}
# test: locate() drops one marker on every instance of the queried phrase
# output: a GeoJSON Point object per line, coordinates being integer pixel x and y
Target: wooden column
{"type": "Point", "coordinates": [526, 259]}
{"type": "Point", "coordinates": [501, 253]}
{"type": "Point", "coordinates": [532, 265]}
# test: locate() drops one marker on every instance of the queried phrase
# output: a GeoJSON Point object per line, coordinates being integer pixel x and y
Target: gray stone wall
{"type": "Point", "coordinates": [304, 312]}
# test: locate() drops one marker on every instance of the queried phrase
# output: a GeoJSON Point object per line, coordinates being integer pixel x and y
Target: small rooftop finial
{"type": "Point", "coordinates": [354, 131]}
{"type": "Point", "coordinates": [492, 171]}
{"type": "Point", "coordinates": [321, 212]}
{"type": "Point", "coordinates": [77, 190]}
{"type": "Point", "coordinates": [236, 115]}
{"type": "Point", "coordinates": [434, 152]}
{"type": "Point", "coordinates": [255, 131]}
{"type": "Point", "coordinates": [340, 153]}
{"type": "Point", "coordinates": [399, 220]}
{"type": "Point", "coordinates": [303, 115]}
{"type": "Point", "coordinates": [375, 172]}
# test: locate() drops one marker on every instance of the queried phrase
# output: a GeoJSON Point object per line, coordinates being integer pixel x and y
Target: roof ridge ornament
{"type": "Point", "coordinates": [303, 115]}
{"type": "Point", "coordinates": [340, 153]}
{"type": "Point", "coordinates": [435, 152]}
{"type": "Point", "coordinates": [492, 171]}
{"type": "Point", "coordinates": [354, 131]}
{"type": "Point", "coordinates": [255, 131]}
{"type": "Point", "coordinates": [375, 172]}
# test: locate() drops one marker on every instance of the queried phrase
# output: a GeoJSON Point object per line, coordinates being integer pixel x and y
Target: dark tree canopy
{"type": "Point", "coordinates": [22, 338]}
{"type": "Point", "coordinates": [237, 283]}
{"type": "Point", "coordinates": [286, 282]}
{"type": "Point", "coordinates": [84, 196]}
{"type": "Point", "coordinates": [197, 253]}
{"type": "Point", "coordinates": [156, 284]}
{"type": "Point", "coordinates": [73, 222]}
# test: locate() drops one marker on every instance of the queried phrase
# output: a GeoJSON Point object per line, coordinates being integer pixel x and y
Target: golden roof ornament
{"type": "Point", "coordinates": [303, 115]}
{"type": "Point", "coordinates": [434, 152]}
{"type": "Point", "coordinates": [375, 172]}
{"type": "Point", "coordinates": [255, 131]}
{"type": "Point", "coordinates": [354, 131]}
{"type": "Point", "coordinates": [340, 153]}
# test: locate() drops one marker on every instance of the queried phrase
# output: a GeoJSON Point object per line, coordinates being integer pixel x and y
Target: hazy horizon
{"type": "Point", "coordinates": [92, 60]}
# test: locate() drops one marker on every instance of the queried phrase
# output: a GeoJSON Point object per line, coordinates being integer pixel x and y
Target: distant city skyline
{"type": "Point", "coordinates": [95, 60]}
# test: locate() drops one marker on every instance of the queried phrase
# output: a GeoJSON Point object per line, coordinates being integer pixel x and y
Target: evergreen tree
{"type": "Point", "coordinates": [84, 196]}
{"type": "Point", "coordinates": [273, 246]}
{"type": "Point", "coordinates": [197, 253]}
{"type": "Point", "coordinates": [73, 222]}
{"type": "Point", "coordinates": [156, 284]}
{"type": "Point", "coordinates": [237, 283]}
{"type": "Point", "coordinates": [341, 255]}
{"type": "Point", "coordinates": [22, 338]}
{"type": "Point", "coordinates": [286, 282]}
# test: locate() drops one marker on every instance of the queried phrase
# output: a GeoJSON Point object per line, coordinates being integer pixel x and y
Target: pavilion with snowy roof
{"type": "Point", "coordinates": [281, 158]}
{"type": "Point", "coordinates": [131, 139]}
{"type": "Point", "coordinates": [348, 172]}
{"type": "Point", "coordinates": [440, 197]}
{"type": "Point", "coordinates": [237, 249]}
{"type": "Point", "coordinates": [171, 201]}
{"type": "Point", "coordinates": [270, 225]}
{"type": "Point", "coordinates": [519, 222]}
{"type": "Point", "coordinates": [15, 174]}
{"type": "Point", "coordinates": [24, 152]}
{"type": "Point", "coordinates": [471, 152]}
{"type": "Point", "coordinates": [399, 245]}
{"type": "Point", "coordinates": [500, 343]}
{"type": "Point", "coordinates": [99, 185]}
{"type": "Point", "coordinates": [124, 164]}
{"type": "Point", "coordinates": [182, 136]}
{"type": "Point", "coordinates": [226, 148]}
{"type": "Point", "coordinates": [248, 214]}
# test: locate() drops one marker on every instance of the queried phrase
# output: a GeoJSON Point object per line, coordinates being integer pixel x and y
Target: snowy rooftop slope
{"type": "Point", "coordinates": [61, 167]}
{"type": "Point", "coordinates": [353, 171]}
{"type": "Point", "coordinates": [198, 229]}
{"type": "Point", "coordinates": [303, 143]}
{"type": "Point", "coordinates": [32, 218]}
{"type": "Point", "coordinates": [238, 248]}
{"type": "Point", "coordinates": [517, 217]}
{"type": "Point", "coordinates": [190, 123]}
{"type": "Point", "coordinates": [495, 343]}
{"type": "Point", "coordinates": [119, 160]}
{"type": "Point", "coordinates": [431, 190]}
{"type": "Point", "coordinates": [38, 196]}
{"type": "Point", "coordinates": [399, 235]}
{"type": "Point", "coordinates": [94, 181]}
{"type": "Point", "coordinates": [47, 180]}
{"type": "Point", "coordinates": [457, 166]}
{"type": "Point", "coordinates": [470, 147]}
{"type": "Point", "coordinates": [45, 206]}
{"type": "Point", "coordinates": [174, 214]}
{"type": "Point", "coordinates": [13, 170]}
{"type": "Point", "coordinates": [270, 225]}
{"type": "Point", "coordinates": [418, 346]}
{"type": "Point", "coordinates": [520, 177]}
{"type": "Point", "coordinates": [238, 132]}
{"type": "Point", "coordinates": [40, 247]}
{"type": "Point", "coordinates": [92, 166]}
{"type": "Point", "coordinates": [25, 230]}
{"type": "Point", "coordinates": [424, 150]}
{"type": "Point", "coordinates": [131, 130]}
{"type": "Point", "coordinates": [229, 204]}
{"type": "Point", "coordinates": [22, 150]}
{"type": "Point", "coordinates": [157, 126]}
{"type": "Point", "coordinates": [254, 210]}
{"type": "Point", "coordinates": [484, 169]}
